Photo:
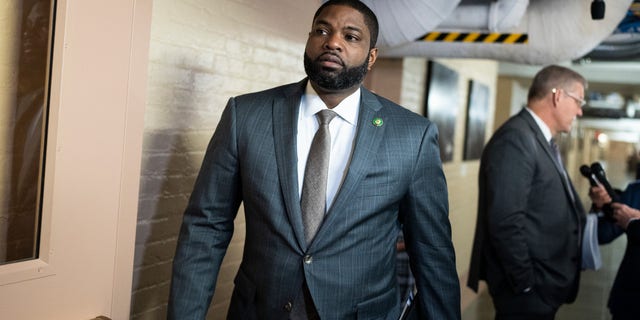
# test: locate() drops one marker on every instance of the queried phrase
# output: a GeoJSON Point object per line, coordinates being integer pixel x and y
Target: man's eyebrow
{"type": "Point", "coordinates": [354, 29]}
{"type": "Point", "coordinates": [326, 23]}
{"type": "Point", "coordinates": [321, 22]}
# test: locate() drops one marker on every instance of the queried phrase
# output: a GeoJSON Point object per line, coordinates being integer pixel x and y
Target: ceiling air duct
{"type": "Point", "coordinates": [403, 21]}
{"type": "Point", "coordinates": [556, 31]}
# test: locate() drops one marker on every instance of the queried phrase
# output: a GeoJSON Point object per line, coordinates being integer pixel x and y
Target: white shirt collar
{"type": "Point", "coordinates": [347, 109]}
{"type": "Point", "coordinates": [543, 126]}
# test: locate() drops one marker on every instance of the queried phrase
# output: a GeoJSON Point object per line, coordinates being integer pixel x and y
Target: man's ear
{"type": "Point", "coordinates": [555, 97]}
{"type": "Point", "coordinates": [373, 55]}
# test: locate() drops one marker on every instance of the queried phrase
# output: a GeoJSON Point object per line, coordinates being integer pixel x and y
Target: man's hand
{"type": "Point", "coordinates": [599, 196]}
{"type": "Point", "coordinates": [624, 214]}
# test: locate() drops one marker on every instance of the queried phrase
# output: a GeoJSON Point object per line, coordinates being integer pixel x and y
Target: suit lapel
{"type": "Point", "coordinates": [542, 141]}
{"type": "Point", "coordinates": [285, 130]}
{"type": "Point", "coordinates": [367, 141]}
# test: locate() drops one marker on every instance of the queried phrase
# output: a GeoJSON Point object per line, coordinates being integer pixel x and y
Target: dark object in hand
{"type": "Point", "coordinates": [597, 176]}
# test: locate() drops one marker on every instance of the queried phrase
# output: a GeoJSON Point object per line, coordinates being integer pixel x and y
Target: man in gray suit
{"type": "Point", "coordinates": [530, 219]}
{"type": "Point", "coordinates": [384, 174]}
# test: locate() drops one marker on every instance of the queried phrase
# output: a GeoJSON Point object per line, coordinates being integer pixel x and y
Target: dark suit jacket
{"type": "Point", "coordinates": [528, 230]}
{"type": "Point", "coordinates": [394, 177]}
{"type": "Point", "coordinates": [625, 293]}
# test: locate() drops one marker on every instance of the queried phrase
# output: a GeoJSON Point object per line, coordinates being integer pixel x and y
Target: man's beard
{"type": "Point", "coordinates": [330, 80]}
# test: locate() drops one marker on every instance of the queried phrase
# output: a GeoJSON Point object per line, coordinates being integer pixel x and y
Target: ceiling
{"type": "Point", "coordinates": [613, 65]}
{"type": "Point", "coordinates": [605, 50]}
{"type": "Point", "coordinates": [530, 32]}
{"type": "Point", "coordinates": [600, 39]}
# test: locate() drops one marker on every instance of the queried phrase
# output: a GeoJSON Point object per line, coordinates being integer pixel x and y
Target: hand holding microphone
{"type": "Point", "coordinates": [597, 177]}
{"type": "Point", "coordinates": [598, 172]}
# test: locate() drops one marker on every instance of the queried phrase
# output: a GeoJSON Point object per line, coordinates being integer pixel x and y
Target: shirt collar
{"type": "Point", "coordinates": [347, 109]}
{"type": "Point", "coordinates": [543, 126]}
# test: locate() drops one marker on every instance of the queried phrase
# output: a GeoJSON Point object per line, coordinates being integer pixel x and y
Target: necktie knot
{"type": "Point", "coordinates": [553, 144]}
{"type": "Point", "coordinates": [325, 116]}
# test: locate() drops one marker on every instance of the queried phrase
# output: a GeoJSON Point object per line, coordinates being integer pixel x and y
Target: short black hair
{"type": "Point", "coordinates": [370, 18]}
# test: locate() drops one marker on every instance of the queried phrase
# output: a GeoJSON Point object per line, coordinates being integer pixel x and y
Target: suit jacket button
{"type": "Point", "coordinates": [288, 306]}
{"type": "Point", "coordinates": [308, 259]}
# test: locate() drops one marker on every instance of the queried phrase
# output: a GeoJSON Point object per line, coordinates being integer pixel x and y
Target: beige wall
{"type": "Point", "coordinates": [414, 81]}
{"type": "Point", "coordinates": [385, 78]}
{"type": "Point", "coordinates": [203, 52]}
{"type": "Point", "coordinates": [512, 97]}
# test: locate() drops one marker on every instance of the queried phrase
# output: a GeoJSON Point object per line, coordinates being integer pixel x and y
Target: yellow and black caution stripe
{"type": "Point", "coordinates": [476, 37]}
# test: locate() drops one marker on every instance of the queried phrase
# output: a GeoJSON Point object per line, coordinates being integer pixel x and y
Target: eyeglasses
{"type": "Point", "coordinates": [580, 101]}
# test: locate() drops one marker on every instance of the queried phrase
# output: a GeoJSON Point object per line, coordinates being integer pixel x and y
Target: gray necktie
{"type": "Point", "coordinates": [556, 153]}
{"type": "Point", "coordinates": [314, 185]}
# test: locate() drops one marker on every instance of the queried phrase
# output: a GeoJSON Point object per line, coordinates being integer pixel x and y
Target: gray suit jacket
{"type": "Point", "coordinates": [394, 179]}
{"type": "Point", "coordinates": [529, 230]}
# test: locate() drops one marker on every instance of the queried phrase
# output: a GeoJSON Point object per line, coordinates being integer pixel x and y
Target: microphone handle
{"type": "Point", "coordinates": [612, 193]}
{"type": "Point", "coordinates": [606, 208]}
{"type": "Point", "coordinates": [593, 181]}
{"type": "Point", "coordinates": [608, 212]}
{"type": "Point", "coordinates": [600, 176]}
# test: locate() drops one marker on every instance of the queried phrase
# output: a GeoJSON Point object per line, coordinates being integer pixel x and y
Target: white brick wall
{"type": "Point", "coordinates": [414, 75]}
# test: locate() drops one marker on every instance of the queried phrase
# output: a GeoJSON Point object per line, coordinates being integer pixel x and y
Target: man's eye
{"type": "Point", "coordinates": [351, 37]}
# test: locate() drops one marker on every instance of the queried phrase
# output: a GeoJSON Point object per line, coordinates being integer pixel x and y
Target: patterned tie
{"type": "Point", "coordinates": [314, 185]}
{"type": "Point", "coordinates": [556, 153]}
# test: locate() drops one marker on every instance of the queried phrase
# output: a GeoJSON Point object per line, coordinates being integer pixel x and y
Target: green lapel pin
{"type": "Point", "coordinates": [377, 122]}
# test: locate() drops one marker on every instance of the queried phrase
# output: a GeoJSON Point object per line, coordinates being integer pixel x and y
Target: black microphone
{"type": "Point", "coordinates": [596, 176]}
{"type": "Point", "coordinates": [597, 9]}
{"type": "Point", "coordinates": [586, 172]}
{"type": "Point", "coordinates": [598, 172]}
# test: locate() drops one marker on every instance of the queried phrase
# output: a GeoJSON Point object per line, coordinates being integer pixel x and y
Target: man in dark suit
{"type": "Point", "coordinates": [529, 228]}
{"type": "Point", "coordinates": [384, 173]}
{"type": "Point", "coordinates": [625, 292]}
